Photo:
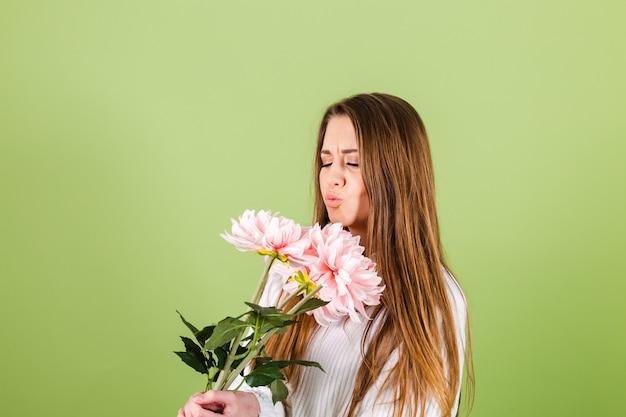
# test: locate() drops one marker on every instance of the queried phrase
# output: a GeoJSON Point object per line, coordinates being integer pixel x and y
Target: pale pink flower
{"type": "Point", "coordinates": [268, 234]}
{"type": "Point", "coordinates": [349, 280]}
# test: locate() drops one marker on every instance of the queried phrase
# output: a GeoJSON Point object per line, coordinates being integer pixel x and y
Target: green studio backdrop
{"type": "Point", "coordinates": [132, 131]}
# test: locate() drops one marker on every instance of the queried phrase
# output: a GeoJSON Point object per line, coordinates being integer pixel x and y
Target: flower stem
{"type": "Point", "coordinates": [257, 348]}
{"type": "Point", "coordinates": [305, 299]}
{"type": "Point", "coordinates": [225, 373]}
{"type": "Point", "coordinates": [286, 301]}
{"type": "Point", "coordinates": [261, 285]}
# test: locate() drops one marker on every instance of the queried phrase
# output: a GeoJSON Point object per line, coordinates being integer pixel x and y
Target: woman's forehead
{"type": "Point", "coordinates": [340, 135]}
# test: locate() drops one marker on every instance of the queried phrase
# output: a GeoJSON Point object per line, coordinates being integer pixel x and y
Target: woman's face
{"type": "Point", "coordinates": [340, 177]}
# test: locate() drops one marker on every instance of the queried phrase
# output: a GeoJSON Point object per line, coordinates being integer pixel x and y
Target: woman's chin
{"type": "Point", "coordinates": [338, 219]}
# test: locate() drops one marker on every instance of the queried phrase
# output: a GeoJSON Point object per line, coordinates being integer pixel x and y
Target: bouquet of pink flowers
{"type": "Point", "coordinates": [324, 269]}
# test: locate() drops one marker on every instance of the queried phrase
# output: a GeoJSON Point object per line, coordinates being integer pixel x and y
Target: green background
{"type": "Point", "coordinates": [132, 131]}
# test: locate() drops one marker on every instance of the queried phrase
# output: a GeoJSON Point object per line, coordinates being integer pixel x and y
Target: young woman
{"type": "Point", "coordinates": [375, 176]}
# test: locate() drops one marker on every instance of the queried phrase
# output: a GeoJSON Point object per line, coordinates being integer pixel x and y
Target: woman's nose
{"type": "Point", "coordinates": [336, 175]}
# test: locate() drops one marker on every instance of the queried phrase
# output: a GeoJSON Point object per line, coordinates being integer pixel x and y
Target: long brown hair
{"type": "Point", "coordinates": [416, 314]}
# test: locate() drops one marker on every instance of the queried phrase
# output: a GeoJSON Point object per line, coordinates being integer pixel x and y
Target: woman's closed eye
{"type": "Point", "coordinates": [348, 164]}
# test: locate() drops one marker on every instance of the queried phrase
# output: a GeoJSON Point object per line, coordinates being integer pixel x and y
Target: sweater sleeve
{"type": "Point", "coordinates": [264, 396]}
{"type": "Point", "coordinates": [268, 408]}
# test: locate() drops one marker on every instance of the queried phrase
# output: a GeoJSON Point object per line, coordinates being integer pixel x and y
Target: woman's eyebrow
{"type": "Point", "coordinates": [344, 151]}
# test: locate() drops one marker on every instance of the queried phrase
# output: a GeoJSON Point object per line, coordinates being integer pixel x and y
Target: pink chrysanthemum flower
{"type": "Point", "coordinates": [267, 234]}
{"type": "Point", "coordinates": [349, 280]}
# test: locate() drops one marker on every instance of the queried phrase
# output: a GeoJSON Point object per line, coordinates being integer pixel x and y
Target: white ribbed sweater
{"type": "Point", "coordinates": [338, 349]}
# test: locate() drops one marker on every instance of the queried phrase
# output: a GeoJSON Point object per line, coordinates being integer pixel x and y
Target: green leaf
{"type": "Point", "coordinates": [277, 316]}
{"type": "Point", "coordinates": [204, 334]}
{"type": "Point", "coordinates": [279, 391]}
{"type": "Point", "coordinates": [268, 313]}
{"type": "Point", "coordinates": [262, 360]}
{"type": "Point", "coordinates": [225, 331]}
{"type": "Point", "coordinates": [267, 325]}
{"type": "Point", "coordinates": [283, 329]}
{"type": "Point", "coordinates": [200, 335]}
{"type": "Point", "coordinates": [262, 310]}
{"type": "Point", "coordinates": [310, 304]}
{"type": "Point", "coordinates": [220, 354]}
{"type": "Point", "coordinates": [283, 364]}
{"type": "Point", "coordinates": [190, 326]}
{"type": "Point", "coordinates": [190, 345]}
{"type": "Point", "coordinates": [240, 355]}
{"type": "Point", "coordinates": [264, 375]}
{"type": "Point", "coordinates": [268, 372]}
{"type": "Point", "coordinates": [195, 360]}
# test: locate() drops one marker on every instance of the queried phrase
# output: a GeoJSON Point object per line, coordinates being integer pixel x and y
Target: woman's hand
{"type": "Point", "coordinates": [221, 403]}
